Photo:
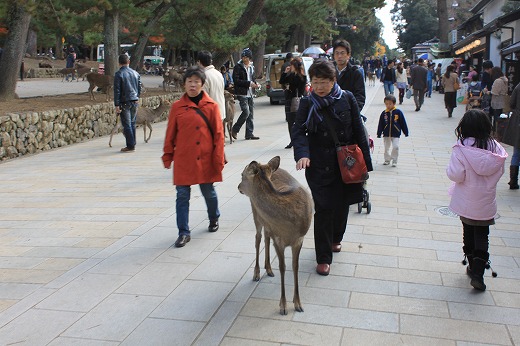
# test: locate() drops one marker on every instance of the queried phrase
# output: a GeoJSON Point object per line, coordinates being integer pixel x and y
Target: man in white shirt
{"type": "Point", "coordinates": [214, 84]}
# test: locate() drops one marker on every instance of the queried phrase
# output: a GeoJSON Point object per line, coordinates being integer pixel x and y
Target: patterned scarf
{"type": "Point", "coordinates": [319, 103]}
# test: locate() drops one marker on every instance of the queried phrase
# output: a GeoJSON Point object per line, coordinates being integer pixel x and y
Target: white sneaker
{"type": "Point", "coordinates": [386, 163]}
{"type": "Point", "coordinates": [394, 164]}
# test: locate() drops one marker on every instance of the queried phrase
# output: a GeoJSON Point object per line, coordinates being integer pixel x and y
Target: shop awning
{"type": "Point", "coordinates": [515, 47]}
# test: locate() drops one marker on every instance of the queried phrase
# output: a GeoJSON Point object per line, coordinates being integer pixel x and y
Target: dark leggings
{"type": "Point", "coordinates": [476, 238]}
{"type": "Point", "coordinates": [401, 94]}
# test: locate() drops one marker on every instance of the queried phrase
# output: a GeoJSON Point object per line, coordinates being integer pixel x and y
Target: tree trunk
{"type": "Point", "coordinates": [442, 13]}
{"type": "Point", "coordinates": [18, 23]}
{"type": "Point", "coordinates": [59, 47]}
{"type": "Point", "coordinates": [151, 22]}
{"type": "Point", "coordinates": [245, 22]}
{"type": "Point", "coordinates": [111, 41]}
{"type": "Point", "coordinates": [32, 40]}
{"type": "Point", "coordinates": [258, 59]}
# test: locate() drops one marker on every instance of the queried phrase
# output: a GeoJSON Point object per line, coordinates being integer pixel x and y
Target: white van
{"type": "Point", "coordinates": [273, 71]}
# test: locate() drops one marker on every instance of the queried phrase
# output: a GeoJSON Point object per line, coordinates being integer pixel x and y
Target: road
{"type": "Point", "coordinates": [32, 87]}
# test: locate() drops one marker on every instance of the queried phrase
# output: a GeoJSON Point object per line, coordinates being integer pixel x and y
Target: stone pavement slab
{"type": "Point", "coordinates": [86, 255]}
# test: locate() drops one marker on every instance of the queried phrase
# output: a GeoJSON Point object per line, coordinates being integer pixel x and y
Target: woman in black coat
{"type": "Point", "coordinates": [512, 137]}
{"type": "Point", "coordinates": [314, 150]}
{"type": "Point", "coordinates": [294, 79]}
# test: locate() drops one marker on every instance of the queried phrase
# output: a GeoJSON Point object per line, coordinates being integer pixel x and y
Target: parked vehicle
{"type": "Point", "coordinates": [273, 71]}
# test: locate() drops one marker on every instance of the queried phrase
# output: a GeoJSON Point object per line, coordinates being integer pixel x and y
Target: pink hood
{"type": "Point", "coordinates": [475, 173]}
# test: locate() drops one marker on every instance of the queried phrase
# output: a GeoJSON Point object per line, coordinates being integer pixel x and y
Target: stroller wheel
{"type": "Point", "coordinates": [359, 207]}
{"type": "Point", "coordinates": [369, 207]}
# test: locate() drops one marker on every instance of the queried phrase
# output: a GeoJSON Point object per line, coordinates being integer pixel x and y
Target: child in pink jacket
{"type": "Point", "coordinates": [476, 165]}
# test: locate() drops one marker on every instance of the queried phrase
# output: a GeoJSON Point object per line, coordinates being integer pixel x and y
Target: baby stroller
{"type": "Point", "coordinates": [474, 97]}
{"type": "Point", "coordinates": [366, 196]}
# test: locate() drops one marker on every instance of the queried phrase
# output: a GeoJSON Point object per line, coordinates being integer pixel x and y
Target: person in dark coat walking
{"type": "Point", "coordinates": [314, 151]}
{"type": "Point", "coordinates": [348, 76]}
{"type": "Point", "coordinates": [419, 83]}
{"type": "Point", "coordinates": [512, 137]}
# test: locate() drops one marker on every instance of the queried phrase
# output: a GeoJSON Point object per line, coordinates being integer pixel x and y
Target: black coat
{"type": "Point", "coordinates": [240, 79]}
{"type": "Point", "coordinates": [296, 84]}
{"type": "Point", "coordinates": [512, 132]}
{"type": "Point", "coordinates": [323, 174]}
{"type": "Point", "coordinates": [352, 80]}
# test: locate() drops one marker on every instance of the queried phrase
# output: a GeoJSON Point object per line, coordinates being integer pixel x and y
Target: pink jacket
{"type": "Point", "coordinates": [475, 173]}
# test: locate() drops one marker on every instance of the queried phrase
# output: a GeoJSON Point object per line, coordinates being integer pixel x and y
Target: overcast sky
{"type": "Point", "coordinates": [389, 35]}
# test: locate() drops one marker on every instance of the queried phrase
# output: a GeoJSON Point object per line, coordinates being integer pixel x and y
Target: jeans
{"type": "Point", "coordinates": [418, 97]}
{"type": "Point", "coordinates": [515, 159]}
{"type": "Point", "coordinates": [246, 105]}
{"type": "Point", "coordinates": [182, 205]}
{"type": "Point", "coordinates": [389, 87]}
{"type": "Point", "coordinates": [430, 88]}
{"type": "Point", "coordinates": [128, 116]}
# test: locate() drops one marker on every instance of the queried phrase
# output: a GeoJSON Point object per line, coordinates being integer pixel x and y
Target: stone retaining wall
{"type": "Point", "coordinates": [29, 133]}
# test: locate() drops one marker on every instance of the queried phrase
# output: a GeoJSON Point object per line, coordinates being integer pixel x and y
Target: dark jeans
{"type": "Point", "coordinates": [183, 205]}
{"type": "Point", "coordinates": [246, 105]}
{"type": "Point", "coordinates": [128, 116]}
{"type": "Point", "coordinates": [418, 97]}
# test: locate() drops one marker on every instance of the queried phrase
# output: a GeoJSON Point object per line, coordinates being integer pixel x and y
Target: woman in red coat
{"type": "Point", "coordinates": [195, 143]}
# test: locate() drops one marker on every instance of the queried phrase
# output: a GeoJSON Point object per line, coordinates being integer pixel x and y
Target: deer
{"type": "Point", "coordinates": [145, 116]}
{"type": "Point", "coordinates": [283, 208]}
{"type": "Point", "coordinates": [82, 71]}
{"type": "Point", "coordinates": [172, 76]}
{"type": "Point", "coordinates": [42, 64]}
{"type": "Point", "coordinates": [101, 81]}
{"type": "Point", "coordinates": [230, 114]}
{"type": "Point", "coordinates": [66, 71]}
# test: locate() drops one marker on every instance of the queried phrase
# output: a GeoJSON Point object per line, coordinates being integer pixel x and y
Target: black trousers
{"type": "Point", "coordinates": [329, 228]}
{"type": "Point", "coordinates": [476, 238]}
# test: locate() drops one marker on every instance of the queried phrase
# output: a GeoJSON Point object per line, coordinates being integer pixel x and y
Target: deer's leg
{"type": "Point", "coordinates": [267, 250]}
{"type": "Point", "coordinates": [296, 248]}
{"type": "Point", "coordinates": [149, 125]}
{"type": "Point", "coordinates": [258, 238]}
{"type": "Point", "coordinates": [281, 261]}
{"type": "Point", "coordinates": [90, 90]}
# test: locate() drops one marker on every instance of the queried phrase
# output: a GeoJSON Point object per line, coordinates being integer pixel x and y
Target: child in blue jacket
{"type": "Point", "coordinates": [391, 124]}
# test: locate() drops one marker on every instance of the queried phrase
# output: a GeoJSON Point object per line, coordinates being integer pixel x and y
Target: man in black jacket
{"type": "Point", "coordinates": [244, 80]}
{"type": "Point", "coordinates": [419, 83]}
{"type": "Point", "coordinates": [348, 76]}
{"type": "Point", "coordinates": [127, 89]}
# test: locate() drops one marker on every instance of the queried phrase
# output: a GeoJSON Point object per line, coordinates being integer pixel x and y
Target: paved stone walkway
{"type": "Point", "coordinates": [86, 254]}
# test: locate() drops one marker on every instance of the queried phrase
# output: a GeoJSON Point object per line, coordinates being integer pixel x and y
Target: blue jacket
{"type": "Point", "coordinates": [127, 86]}
{"type": "Point", "coordinates": [391, 124]}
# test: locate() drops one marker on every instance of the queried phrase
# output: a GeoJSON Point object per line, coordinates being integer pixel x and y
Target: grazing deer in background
{"type": "Point", "coordinates": [230, 114]}
{"type": "Point", "coordinates": [171, 76]}
{"type": "Point", "coordinates": [101, 81]}
{"type": "Point", "coordinates": [283, 207]}
{"type": "Point", "coordinates": [66, 71]}
{"type": "Point", "coordinates": [145, 116]}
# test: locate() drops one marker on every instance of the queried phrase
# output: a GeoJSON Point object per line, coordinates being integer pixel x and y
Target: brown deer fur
{"type": "Point", "coordinates": [230, 114]}
{"type": "Point", "coordinates": [66, 71]}
{"type": "Point", "coordinates": [101, 81]}
{"type": "Point", "coordinates": [171, 76]}
{"type": "Point", "coordinates": [283, 208]}
{"type": "Point", "coordinates": [145, 116]}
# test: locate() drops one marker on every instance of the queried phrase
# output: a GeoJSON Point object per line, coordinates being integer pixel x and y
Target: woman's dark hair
{"type": "Point", "coordinates": [475, 123]}
{"type": "Point", "coordinates": [449, 70]}
{"type": "Point", "coordinates": [400, 67]}
{"type": "Point", "coordinates": [298, 66]}
{"type": "Point", "coordinates": [194, 71]}
{"type": "Point", "coordinates": [496, 72]}
{"type": "Point", "coordinates": [322, 68]}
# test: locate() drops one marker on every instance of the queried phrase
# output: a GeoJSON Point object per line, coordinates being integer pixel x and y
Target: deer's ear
{"type": "Point", "coordinates": [253, 167]}
{"type": "Point", "coordinates": [274, 163]}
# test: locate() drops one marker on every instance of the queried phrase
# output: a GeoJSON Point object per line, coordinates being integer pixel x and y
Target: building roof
{"type": "Point", "coordinates": [479, 6]}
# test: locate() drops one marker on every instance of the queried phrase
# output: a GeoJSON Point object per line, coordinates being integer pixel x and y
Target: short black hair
{"type": "Point", "coordinates": [420, 61]}
{"type": "Point", "coordinates": [487, 64]}
{"type": "Point", "coordinates": [196, 71]}
{"type": "Point", "coordinates": [123, 59]}
{"type": "Point", "coordinates": [322, 68]}
{"type": "Point", "coordinates": [205, 58]}
{"type": "Point", "coordinates": [342, 43]}
{"type": "Point", "coordinates": [391, 98]}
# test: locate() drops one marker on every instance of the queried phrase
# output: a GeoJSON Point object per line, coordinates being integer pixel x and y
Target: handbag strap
{"type": "Point", "coordinates": [331, 130]}
{"type": "Point", "coordinates": [203, 116]}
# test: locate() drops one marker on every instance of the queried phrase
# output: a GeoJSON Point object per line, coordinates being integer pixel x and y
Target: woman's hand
{"type": "Point", "coordinates": [303, 163]}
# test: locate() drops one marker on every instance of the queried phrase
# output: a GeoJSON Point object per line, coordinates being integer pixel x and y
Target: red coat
{"type": "Point", "coordinates": [198, 158]}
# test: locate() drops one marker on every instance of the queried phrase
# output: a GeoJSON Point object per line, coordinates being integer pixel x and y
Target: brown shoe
{"type": "Point", "coordinates": [336, 247]}
{"type": "Point", "coordinates": [127, 150]}
{"type": "Point", "coordinates": [323, 269]}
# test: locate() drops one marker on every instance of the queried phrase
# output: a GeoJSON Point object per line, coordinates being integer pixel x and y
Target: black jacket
{"type": "Point", "coordinates": [352, 80]}
{"type": "Point", "coordinates": [296, 84]}
{"type": "Point", "coordinates": [240, 79]}
{"type": "Point", "coordinates": [323, 174]}
{"type": "Point", "coordinates": [391, 75]}
{"type": "Point", "coordinates": [127, 86]}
